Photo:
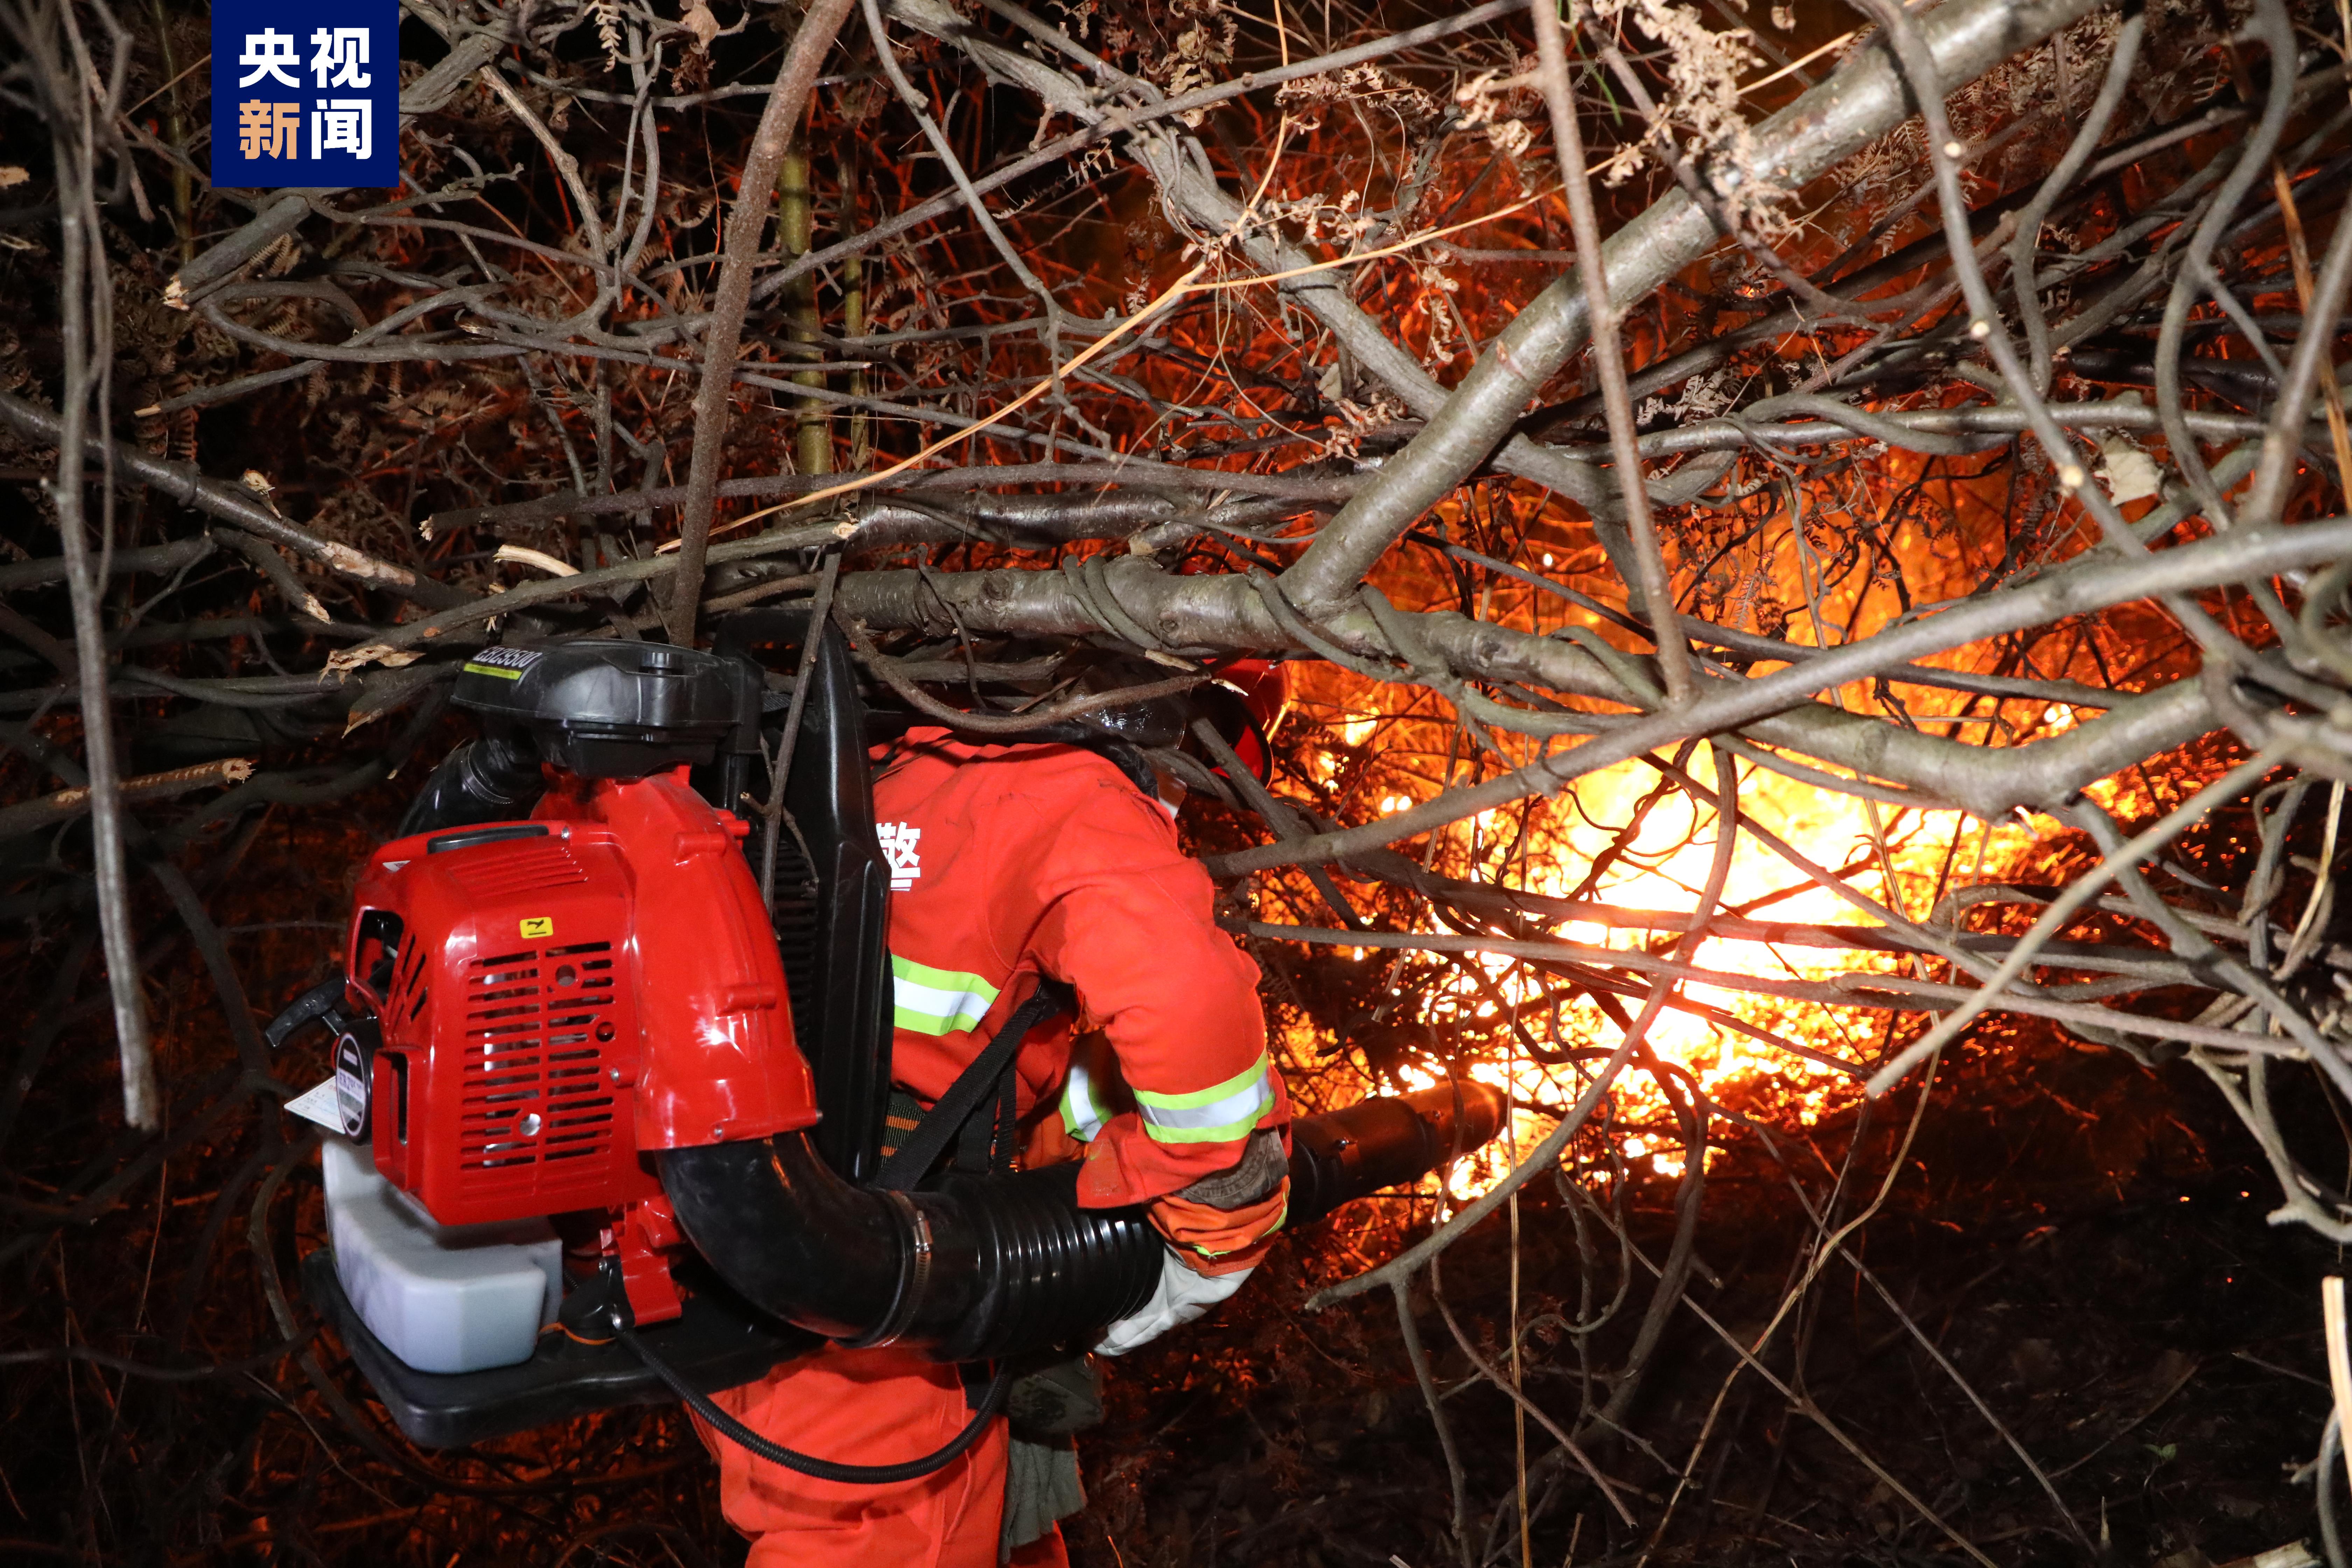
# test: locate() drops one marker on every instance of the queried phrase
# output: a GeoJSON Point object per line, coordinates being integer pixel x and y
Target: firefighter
{"type": "Point", "coordinates": [1013, 866]}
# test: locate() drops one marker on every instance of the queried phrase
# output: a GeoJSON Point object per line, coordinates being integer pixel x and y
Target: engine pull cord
{"type": "Point", "coordinates": [743, 1437]}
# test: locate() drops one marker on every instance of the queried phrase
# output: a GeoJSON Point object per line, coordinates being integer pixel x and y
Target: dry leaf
{"type": "Point", "coordinates": [342, 663]}
{"type": "Point", "coordinates": [2130, 473]}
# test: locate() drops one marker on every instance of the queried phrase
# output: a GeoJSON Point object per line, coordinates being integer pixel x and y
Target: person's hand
{"type": "Point", "coordinates": [1181, 1296]}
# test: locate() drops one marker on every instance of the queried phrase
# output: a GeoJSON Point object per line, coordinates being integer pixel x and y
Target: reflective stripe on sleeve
{"type": "Point", "coordinates": [1281, 1218]}
{"type": "Point", "coordinates": [936, 1001]}
{"type": "Point", "coordinates": [1217, 1115]}
{"type": "Point", "coordinates": [1082, 1118]}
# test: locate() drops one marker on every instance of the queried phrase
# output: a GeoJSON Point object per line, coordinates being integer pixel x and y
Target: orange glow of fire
{"type": "Point", "coordinates": [1905, 857]}
{"type": "Point", "coordinates": [1381, 749]}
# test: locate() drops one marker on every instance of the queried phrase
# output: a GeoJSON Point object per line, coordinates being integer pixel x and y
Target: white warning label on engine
{"type": "Point", "coordinates": [318, 1105]}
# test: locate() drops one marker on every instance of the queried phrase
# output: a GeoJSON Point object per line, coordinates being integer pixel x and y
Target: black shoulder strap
{"type": "Point", "coordinates": [929, 1139]}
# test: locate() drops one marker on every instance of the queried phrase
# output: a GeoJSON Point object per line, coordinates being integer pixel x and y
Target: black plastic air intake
{"type": "Point", "coordinates": [987, 1267]}
{"type": "Point", "coordinates": [599, 708]}
{"type": "Point", "coordinates": [606, 709]}
{"type": "Point", "coordinates": [494, 779]}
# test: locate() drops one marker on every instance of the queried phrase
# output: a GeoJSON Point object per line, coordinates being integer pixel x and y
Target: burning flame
{"type": "Point", "coordinates": [1904, 858]}
{"type": "Point", "coordinates": [1392, 748]}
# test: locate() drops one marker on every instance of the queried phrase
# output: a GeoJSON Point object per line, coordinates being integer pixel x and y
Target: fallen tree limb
{"type": "Point", "coordinates": [1865, 99]}
{"type": "Point", "coordinates": [184, 483]}
{"type": "Point", "coordinates": [65, 805]}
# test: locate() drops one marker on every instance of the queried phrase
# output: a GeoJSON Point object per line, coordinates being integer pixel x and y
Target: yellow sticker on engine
{"type": "Point", "coordinates": [539, 925]}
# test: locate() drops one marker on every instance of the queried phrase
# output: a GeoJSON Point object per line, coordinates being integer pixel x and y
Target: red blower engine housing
{"type": "Point", "coordinates": [565, 996]}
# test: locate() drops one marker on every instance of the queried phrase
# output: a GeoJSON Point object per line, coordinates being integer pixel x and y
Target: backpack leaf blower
{"type": "Point", "coordinates": [604, 1128]}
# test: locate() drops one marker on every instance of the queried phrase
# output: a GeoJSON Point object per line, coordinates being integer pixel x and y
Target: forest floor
{"type": "Point", "coordinates": [2084, 1243]}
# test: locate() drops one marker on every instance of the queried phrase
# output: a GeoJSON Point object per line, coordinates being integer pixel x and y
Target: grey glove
{"type": "Point", "coordinates": [1057, 1400]}
{"type": "Point", "coordinates": [1041, 1471]}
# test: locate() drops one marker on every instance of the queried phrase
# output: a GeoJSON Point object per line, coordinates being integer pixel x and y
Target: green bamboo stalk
{"type": "Point", "coordinates": [796, 225]}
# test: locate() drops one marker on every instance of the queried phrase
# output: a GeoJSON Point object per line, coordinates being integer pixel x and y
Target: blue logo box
{"type": "Point", "coordinates": [306, 94]}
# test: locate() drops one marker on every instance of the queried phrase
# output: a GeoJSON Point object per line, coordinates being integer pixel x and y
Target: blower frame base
{"type": "Point", "coordinates": [718, 1342]}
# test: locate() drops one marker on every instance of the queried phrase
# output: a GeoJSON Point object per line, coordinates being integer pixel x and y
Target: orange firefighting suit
{"type": "Point", "coordinates": [1010, 863]}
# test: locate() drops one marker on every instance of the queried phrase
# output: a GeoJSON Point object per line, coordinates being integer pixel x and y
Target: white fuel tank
{"type": "Point", "coordinates": [441, 1298]}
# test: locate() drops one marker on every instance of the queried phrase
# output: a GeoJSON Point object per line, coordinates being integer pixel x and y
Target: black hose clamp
{"type": "Point", "coordinates": [914, 1275]}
